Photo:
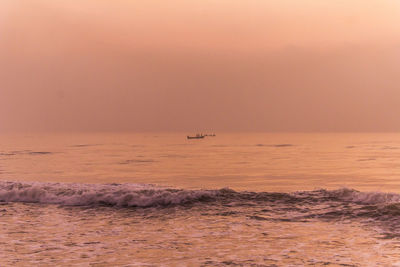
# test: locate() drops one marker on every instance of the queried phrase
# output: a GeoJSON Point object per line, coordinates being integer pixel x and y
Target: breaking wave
{"type": "Point", "coordinates": [146, 195]}
{"type": "Point", "coordinates": [120, 195]}
{"type": "Point", "coordinates": [367, 198]}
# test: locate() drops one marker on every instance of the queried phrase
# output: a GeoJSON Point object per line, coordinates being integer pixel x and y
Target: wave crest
{"type": "Point", "coordinates": [144, 195]}
{"type": "Point", "coordinates": [369, 198]}
{"type": "Point", "coordinates": [120, 195]}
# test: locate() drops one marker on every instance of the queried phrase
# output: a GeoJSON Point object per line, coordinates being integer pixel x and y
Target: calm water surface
{"type": "Point", "coordinates": [234, 199]}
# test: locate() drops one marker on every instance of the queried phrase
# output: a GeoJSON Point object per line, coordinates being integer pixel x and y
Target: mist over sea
{"type": "Point", "coordinates": [236, 199]}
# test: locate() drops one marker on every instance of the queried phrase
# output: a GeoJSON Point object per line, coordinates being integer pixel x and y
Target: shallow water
{"type": "Point", "coordinates": [156, 199]}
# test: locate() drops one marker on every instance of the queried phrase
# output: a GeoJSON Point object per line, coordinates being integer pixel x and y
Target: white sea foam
{"type": "Point", "coordinates": [147, 195]}
{"type": "Point", "coordinates": [121, 195]}
{"type": "Point", "coordinates": [365, 197]}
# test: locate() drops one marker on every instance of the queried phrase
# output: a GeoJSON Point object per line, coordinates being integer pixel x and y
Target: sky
{"type": "Point", "coordinates": [210, 65]}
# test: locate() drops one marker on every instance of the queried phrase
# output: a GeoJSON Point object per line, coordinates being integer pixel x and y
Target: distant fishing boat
{"type": "Point", "coordinates": [197, 136]}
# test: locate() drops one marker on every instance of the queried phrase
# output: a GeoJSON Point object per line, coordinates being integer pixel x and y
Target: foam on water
{"type": "Point", "coordinates": [147, 195]}
{"type": "Point", "coordinates": [120, 195]}
{"type": "Point", "coordinates": [370, 198]}
{"type": "Point", "coordinates": [266, 227]}
{"type": "Point", "coordinates": [379, 209]}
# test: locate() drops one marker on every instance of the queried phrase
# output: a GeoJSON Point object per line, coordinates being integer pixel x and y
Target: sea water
{"type": "Point", "coordinates": [158, 199]}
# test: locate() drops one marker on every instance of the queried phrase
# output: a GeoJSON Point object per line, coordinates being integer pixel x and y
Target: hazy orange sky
{"type": "Point", "coordinates": [221, 65]}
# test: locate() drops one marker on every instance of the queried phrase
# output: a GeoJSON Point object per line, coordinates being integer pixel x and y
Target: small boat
{"type": "Point", "coordinates": [197, 136]}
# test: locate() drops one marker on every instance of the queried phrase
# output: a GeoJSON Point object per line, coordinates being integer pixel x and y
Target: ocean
{"type": "Point", "coordinates": [236, 199]}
